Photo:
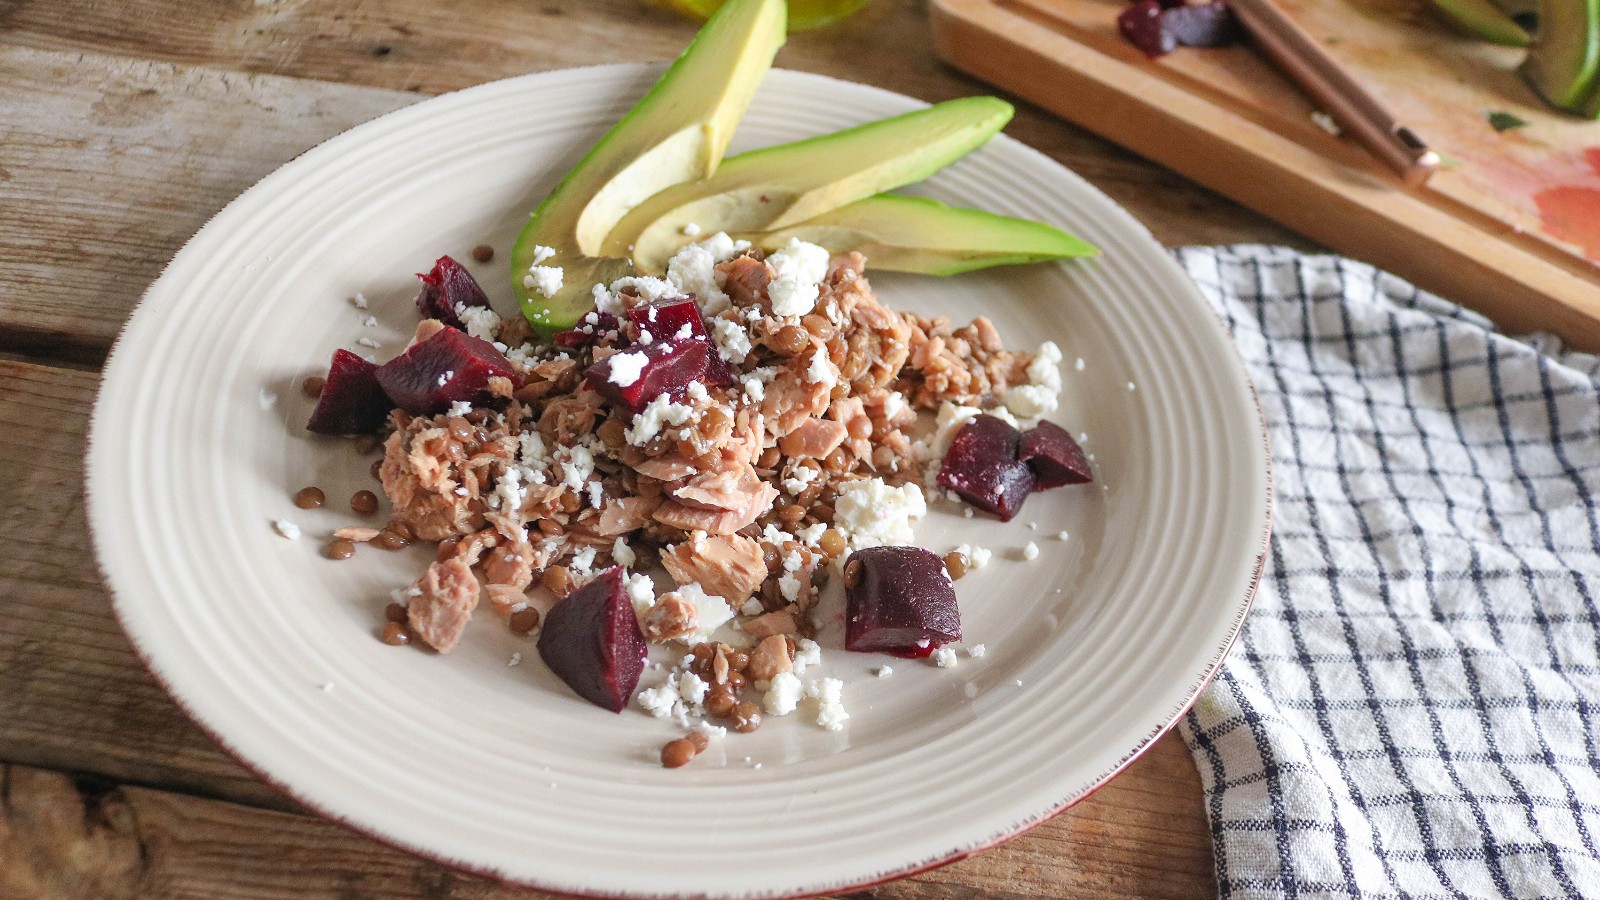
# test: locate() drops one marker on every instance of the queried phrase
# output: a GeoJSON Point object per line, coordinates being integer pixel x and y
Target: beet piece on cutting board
{"type": "Point", "coordinates": [1055, 458]}
{"type": "Point", "coordinates": [899, 600]}
{"type": "Point", "coordinates": [352, 401]}
{"type": "Point", "coordinates": [446, 286]}
{"type": "Point", "coordinates": [448, 367]}
{"type": "Point", "coordinates": [982, 467]}
{"type": "Point", "coordinates": [592, 641]}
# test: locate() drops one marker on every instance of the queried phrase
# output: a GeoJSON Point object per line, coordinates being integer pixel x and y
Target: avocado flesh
{"type": "Point", "coordinates": [676, 133]}
{"type": "Point", "coordinates": [915, 234]}
{"type": "Point", "coordinates": [1483, 19]}
{"type": "Point", "coordinates": [772, 189]}
{"type": "Point", "coordinates": [1565, 53]}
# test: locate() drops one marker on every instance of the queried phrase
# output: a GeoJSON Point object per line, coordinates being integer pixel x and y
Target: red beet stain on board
{"type": "Point", "coordinates": [1572, 213]}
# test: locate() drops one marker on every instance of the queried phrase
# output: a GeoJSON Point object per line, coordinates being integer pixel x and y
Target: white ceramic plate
{"type": "Point", "coordinates": [1094, 648]}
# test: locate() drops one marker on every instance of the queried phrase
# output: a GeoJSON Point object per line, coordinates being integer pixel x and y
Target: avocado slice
{"type": "Point", "coordinates": [676, 133]}
{"type": "Point", "coordinates": [772, 189]}
{"type": "Point", "coordinates": [1483, 19]}
{"type": "Point", "coordinates": [1565, 53]}
{"type": "Point", "coordinates": [916, 234]}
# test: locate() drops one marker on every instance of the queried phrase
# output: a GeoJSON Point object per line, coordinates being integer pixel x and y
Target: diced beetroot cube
{"type": "Point", "coordinates": [446, 286]}
{"type": "Point", "coordinates": [899, 600]}
{"type": "Point", "coordinates": [352, 402]}
{"type": "Point", "coordinates": [593, 642]}
{"type": "Point", "coordinates": [1055, 458]}
{"type": "Point", "coordinates": [451, 366]}
{"type": "Point", "coordinates": [678, 319]}
{"type": "Point", "coordinates": [639, 375]}
{"type": "Point", "coordinates": [595, 328]}
{"type": "Point", "coordinates": [1200, 24]}
{"type": "Point", "coordinates": [1140, 23]}
{"type": "Point", "coordinates": [982, 467]}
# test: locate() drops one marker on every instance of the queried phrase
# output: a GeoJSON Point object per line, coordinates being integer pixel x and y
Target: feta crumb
{"type": "Point", "coordinates": [1061, 535]}
{"type": "Point", "coordinates": [977, 651]}
{"type": "Point", "coordinates": [883, 671]}
{"type": "Point", "coordinates": [267, 398]}
{"type": "Point", "coordinates": [783, 695]}
{"type": "Point", "coordinates": [822, 370]}
{"type": "Point", "coordinates": [286, 529]}
{"type": "Point", "coordinates": [623, 554]}
{"type": "Point", "coordinates": [641, 591]}
{"type": "Point", "coordinates": [370, 322]}
{"type": "Point", "coordinates": [690, 229]}
{"type": "Point", "coordinates": [945, 658]}
{"type": "Point", "coordinates": [693, 270]}
{"type": "Point", "coordinates": [626, 368]}
{"type": "Point", "coordinates": [807, 653]}
{"type": "Point", "coordinates": [871, 513]}
{"type": "Point", "coordinates": [752, 607]}
{"type": "Point", "coordinates": [481, 322]}
{"type": "Point", "coordinates": [545, 280]}
{"type": "Point", "coordinates": [541, 253]}
{"type": "Point", "coordinates": [359, 301]}
{"type": "Point", "coordinates": [660, 413]}
{"type": "Point", "coordinates": [459, 408]}
{"type": "Point", "coordinates": [515, 659]}
{"type": "Point", "coordinates": [368, 342]}
{"type": "Point", "coordinates": [1079, 364]}
{"type": "Point", "coordinates": [798, 269]}
{"type": "Point", "coordinates": [977, 557]}
{"type": "Point", "coordinates": [1030, 551]}
{"type": "Point", "coordinates": [1130, 385]}
{"type": "Point", "coordinates": [692, 688]}
{"type": "Point", "coordinates": [710, 612]}
{"type": "Point", "coordinates": [327, 686]}
{"type": "Point", "coordinates": [732, 340]}
{"type": "Point", "coordinates": [444, 379]}
{"type": "Point", "coordinates": [828, 692]}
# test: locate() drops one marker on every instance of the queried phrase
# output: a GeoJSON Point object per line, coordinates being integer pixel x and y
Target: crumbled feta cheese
{"type": "Point", "coordinates": [369, 322]}
{"type": "Point", "coordinates": [1030, 551]}
{"type": "Point", "coordinates": [752, 607]}
{"type": "Point", "coordinates": [711, 612]}
{"type": "Point", "coordinates": [286, 529]}
{"type": "Point", "coordinates": [459, 408]}
{"type": "Point", "coordinates": [577, 467]}
{"type": "Point", "coordinates": [807, 653]}
{"type": "Point", "coordinates": [883, 671]}
{"type": "Point", "coordinates": [789, 587]}
{"type": "Point", "coordinates": [514, 660]}
{"type": "Point", "coordinates": [641, 591]}
{"type": "Point", "coordinates": [368, 342]}
{"type": "Point", "coordinates": [690, 229]}
{"type": "Point", "coordinates": [1130, 386]}
{"type": "Point", "coordinates": [811, 534]}
{"type": "Point", "coordinates": [658, 414]}
{"type": "Point", "coordinates": [799, 478]}
{"type": "Point", "coordinates": [1030, 401]}
{"type": "Point", "coordinates": [444, 378]}
{"type": "Point", "coordinates": [977, 557]}
{"type": "Point", "coordinates": [945, 658]}
{"type": "Point", "coordinates": [1061, 535]}
{"type": "Point", "coordinates": [648, 288]}
{"type": "Point", "coordinates": [267, 398]}
{"type": "Point", "coordinates": [662, 701]}
{"type": "Point", "coordinates": [359, 301]}
{"type": "Point", "coordinates": [692, 270]}
{"type": "Point", "coordinates": [327, 686]}
{"type": "Point", "coordinates": [509, 492]}
{"type": "Point", "coordinates": [581, 565]}
{"type": "Point", "coordinates": [828, 692]}
{"type": "Point", "coordinates": [692, 688]}
{"type": "Point", "coordinates": [481, 321]}
{"type": "Point", "coordinates": [1079, 364]}
{"type": "Point", "coordinates": [622, 553]}
{"type": "Point", "coordinates": [798, 270]}
{"type": "Point", "coordinates": [732, 340]}
{"type": "Point", "coordinates": [541, 253]}
{"type": "Point", "coordinates": [977, 651]}
{"type": "Point", "coordinates": [545, 280]}
{"type": "Point", "coordinates": [871, 513]}
{"type": "Point", "coordinates": [783, 695]}
{"type": "Point", "coordinates": [626, 368]}
{"type": "Point", "coordinates": [597, 495]}
{"type": "Point", "coordinates": [822, 370]}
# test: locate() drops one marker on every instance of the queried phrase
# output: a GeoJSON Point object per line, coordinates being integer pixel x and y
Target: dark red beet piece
{"type": "Point", "coordinates": [982, 467]}
{"type": "Point", "coordinates": [1140, 23]}
{"type": "Point", "coordinates": [592, 641]}
{"type": "Point", "coordinates": [352, 402]}
{"type": "Point", "coordinates": [668, 369]}
{"type": "Point", "coordinates": [664, 321]}
{"type": "Point", "coordinates": [444, 287]}
{"type": "Point", "coordinates": [595, 328]}
{"type": "Point", "coordinates": [1201, 24]}
{"type": "Point", "coordinates": [1055, 458]}
{"type": "Point", "coordinates": [451, 366]}
{"type": "Point", "coordinates": [899, 600]}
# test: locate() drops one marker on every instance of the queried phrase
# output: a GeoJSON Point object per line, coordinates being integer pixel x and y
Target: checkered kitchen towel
{"type": "Point", "coordinates": [1413, 709]}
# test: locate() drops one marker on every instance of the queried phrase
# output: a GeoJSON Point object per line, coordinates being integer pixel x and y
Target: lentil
{"type": "Point", "coordinates": [364, 503]}
{"type": "Point", "coordinates": [677, 754]}
{"type": "Point", "coordinates": [309, 497]}
{"type": "Point", "coordinates": [377, 468]}
{"type": "Point", "coordinates": [524, 620]}
{"type": "Point", "coordinates": [956, 564]}
{"type": "Point", "coordinates": [789, 340]}
{"type": "Point", "coordinates": [396, 634]}
{"type": "Point", "coordinates": [339, 548]}
{"type": "Point", "coordinates": [746, 717]}
{"type": "Point", "coordinates": [313, 385]}
{"type": "Point", "coordinates": [483, 253]}
{"type": "Point", "coordinates": [557, 580]}
{"type": "Point", "coordinates": [852, 573]}
{"type": "Point", "coordinates": [389, 540]}
{"type": "Point", "coordinates": [833, 543]}
{"type": "Point", "coordinates": [394, 612]}
{"type": "Point", "coordinates": [699, 740]}
{"type": "Point", "coordinates": [720, 701]}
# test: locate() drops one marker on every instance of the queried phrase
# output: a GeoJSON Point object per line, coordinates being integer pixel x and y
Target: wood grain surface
{"type": "Point", "coordinates": [123, 128]}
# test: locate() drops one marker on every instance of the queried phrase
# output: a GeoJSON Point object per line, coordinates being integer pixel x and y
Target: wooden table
{"type": "Point", "coordinates": [123, 127]}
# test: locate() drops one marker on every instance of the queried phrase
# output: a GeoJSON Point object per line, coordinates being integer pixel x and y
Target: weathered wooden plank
{"type": "Point", "coordinates": [108, 165]}
{"type": "Point", "coordinates": [74, 697]}
{"type": "Point", "coordinates": [62, 838]}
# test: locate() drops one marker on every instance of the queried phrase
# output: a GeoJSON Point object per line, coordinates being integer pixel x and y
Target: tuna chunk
{"type": "Point", "coordinates": [730, 566]}
{"type": "Point", "coordinates": [439, 614]}
{"type": "Point", "coordinates": [814, 438]}
{"type": "Point", "coordinates": [689, 518]}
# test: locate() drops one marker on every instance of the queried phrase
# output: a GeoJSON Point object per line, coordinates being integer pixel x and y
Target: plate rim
{"type": "Point", "coordinates": [1241, 606]}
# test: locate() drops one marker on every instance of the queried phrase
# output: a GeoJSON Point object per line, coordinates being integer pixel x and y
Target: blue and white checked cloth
{"type": "Point", "coordinates": [1413, 709]}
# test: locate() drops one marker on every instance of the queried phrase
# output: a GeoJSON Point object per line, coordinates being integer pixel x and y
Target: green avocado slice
{"type": "Point", "coordinates": [676, 133]}
{"type": "Point", "coordinates": [916, 234]}
{"type": "Point", "coordinates": [1485, 20]}
{"type": "Point", "coordinates": [1565, 53]}
{"type": "Point", "coordinates": [774, 188]}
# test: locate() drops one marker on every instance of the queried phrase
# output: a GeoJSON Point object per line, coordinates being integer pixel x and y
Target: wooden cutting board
{"type": "Point", "coordinates": [1509, 225]}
